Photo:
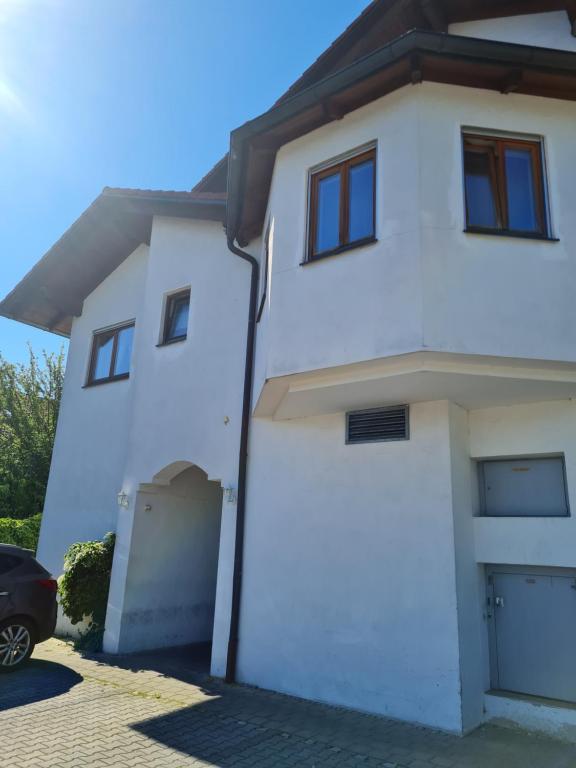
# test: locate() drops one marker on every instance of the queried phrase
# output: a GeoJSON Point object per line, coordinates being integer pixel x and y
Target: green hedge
{"type": "Point", "coordinates": [23, 533]}
{"type": "Point", "coordinates": [84, 588]}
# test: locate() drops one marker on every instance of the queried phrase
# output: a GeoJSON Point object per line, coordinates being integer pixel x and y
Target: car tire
{"type": "Point", "coordinates": [17, 641]}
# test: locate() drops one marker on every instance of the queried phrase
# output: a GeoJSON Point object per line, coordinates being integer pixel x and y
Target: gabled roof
{"type": "Point", "coordinates": [108, 231]}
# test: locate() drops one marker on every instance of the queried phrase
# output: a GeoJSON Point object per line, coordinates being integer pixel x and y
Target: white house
{"type": "Point", "coordinates": [338, 438]}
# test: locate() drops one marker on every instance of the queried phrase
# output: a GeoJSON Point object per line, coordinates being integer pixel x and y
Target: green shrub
{"type": "Point", "coordinates": [84, 588]}
{"type": "Point", "coordinates": [22, 533]}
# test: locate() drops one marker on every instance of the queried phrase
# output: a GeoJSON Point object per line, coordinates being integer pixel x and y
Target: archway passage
{"type": "Point", "coordinates": [171, 574]}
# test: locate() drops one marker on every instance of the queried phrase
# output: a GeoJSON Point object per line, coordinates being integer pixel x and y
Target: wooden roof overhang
{"type": "Point", "coordinates": [412, 58]}
{"type": "Point", "coordinates": [385, 20]}
{"type": "Point", "coordinates": [108, 231]}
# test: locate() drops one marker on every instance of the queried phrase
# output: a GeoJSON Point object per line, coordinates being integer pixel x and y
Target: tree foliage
{"type": "Point", "coordinates": [29, 401]}
{"type": "Point", "coordinates": [22, 533]}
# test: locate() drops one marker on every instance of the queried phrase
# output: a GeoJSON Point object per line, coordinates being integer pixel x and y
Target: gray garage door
{"type": "Point", "coordinates": [534, 632]}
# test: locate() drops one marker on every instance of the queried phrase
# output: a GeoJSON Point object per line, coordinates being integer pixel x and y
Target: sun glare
{"type": "Point", "coordinates": [10, 102]}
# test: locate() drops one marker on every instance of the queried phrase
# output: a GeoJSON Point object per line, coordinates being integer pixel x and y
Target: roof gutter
{"type": "Point", "coordinates": [232, 654]}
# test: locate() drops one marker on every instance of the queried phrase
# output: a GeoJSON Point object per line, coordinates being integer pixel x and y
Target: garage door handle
{"type": "Point", "coordinates": [4, 594]}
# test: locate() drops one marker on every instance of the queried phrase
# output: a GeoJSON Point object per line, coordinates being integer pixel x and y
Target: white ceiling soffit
{"type": "Point", "coordinates": [470, 381]}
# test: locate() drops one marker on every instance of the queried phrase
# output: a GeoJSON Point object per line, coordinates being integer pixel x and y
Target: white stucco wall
{"type": "Point", "coordinates": [186, 400]}
{"type": "Point", "coordinates": [524, 430]}
{"type": "Point", "coordinates": [318, 314]}
{"type": "Point", "coordinates": [426, 284]}
{"type": "Point", "coordinates": [342, 602]}
{"type": "Point", "coordinates": [186, 394]}
{"type": "Point", "coordinates": [171, 572]}
{"type": "Point", "coordinates": [548, 30]}
{"type": "Point", "coordinates": [470, 578]}
{"type": "Point", "coordinates": [182, 403]}
{"type": "Point", "coordinates": [92, 434]}
{"type": "Point", "coordinates": [485, 294]}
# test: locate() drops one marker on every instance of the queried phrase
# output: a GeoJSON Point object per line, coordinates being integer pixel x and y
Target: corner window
{"type": "Point", "coordinates": [341, 206]}
{"type": "Point", "coordinates": [504, 186]}
{"type": "Point", "coordinates": [111, 354]}
{"type": "Point", "coordinates": [176, 317]}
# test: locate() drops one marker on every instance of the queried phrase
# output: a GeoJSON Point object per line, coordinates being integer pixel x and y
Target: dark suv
{"type": "Point", "coordinates": [27, 606]}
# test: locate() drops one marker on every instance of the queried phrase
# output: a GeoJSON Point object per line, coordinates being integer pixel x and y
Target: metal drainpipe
{"type": "Point", "coordinates": [232, 655]}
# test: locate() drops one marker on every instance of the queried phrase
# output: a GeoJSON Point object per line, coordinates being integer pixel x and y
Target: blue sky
{"type": "Point", "coordinates": [130, 93]}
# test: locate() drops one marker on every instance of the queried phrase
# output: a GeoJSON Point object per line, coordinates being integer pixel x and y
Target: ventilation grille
{"type": "Point", "coordinates": [377, 425]}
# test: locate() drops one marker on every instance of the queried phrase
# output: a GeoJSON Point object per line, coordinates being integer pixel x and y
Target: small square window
{"type": "Point", "coordinates": [176, 317]}
{"type": "Point", "coordinates": [111, 354]}
{"type": "Point", "coordinates": [341, 207]}
{"type": "Point", "coordinates": [504, 186]}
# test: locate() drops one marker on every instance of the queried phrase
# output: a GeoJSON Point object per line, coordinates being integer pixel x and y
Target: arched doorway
{"type": "Point", "coordinates": [172, 561]}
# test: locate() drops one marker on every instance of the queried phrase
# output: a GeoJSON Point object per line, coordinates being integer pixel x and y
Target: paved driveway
{"type": "Point", "coordinates": [162, 710]}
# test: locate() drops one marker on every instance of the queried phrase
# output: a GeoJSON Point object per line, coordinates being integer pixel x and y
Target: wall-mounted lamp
{"type": "Point", "coordinates": [230, 494]}
{"type": "Point", "coordinates": [123, 499]}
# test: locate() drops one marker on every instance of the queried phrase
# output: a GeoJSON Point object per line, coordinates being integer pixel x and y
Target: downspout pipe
{"type": "Point", "coordinates": [232, 655]}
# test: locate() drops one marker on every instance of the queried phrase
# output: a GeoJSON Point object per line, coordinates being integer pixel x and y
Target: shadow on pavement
{"type": "Point", "coordinates": [37, 681]}
{"type": "Point", "coordinates": [188, 663]}
{"type": "Point", "coordinates": [208, 733]}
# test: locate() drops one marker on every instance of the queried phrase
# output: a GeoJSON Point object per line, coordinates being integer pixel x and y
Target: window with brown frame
{"type": "Point", "coordinates": [176, 317]}
{"type": "Point", "coordinates": [504, 186]}
{"type": "Point", "coordinates": [342, 205]}
{"type": "Point", "coordinates": [111, 354]}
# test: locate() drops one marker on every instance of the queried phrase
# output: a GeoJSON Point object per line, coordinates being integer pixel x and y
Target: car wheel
{"type": "Point", "coordinates": [16, 644]}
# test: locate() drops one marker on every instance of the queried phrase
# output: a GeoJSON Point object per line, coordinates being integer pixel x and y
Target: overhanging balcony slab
{"type": "Point", "coordinates": [470, 381]}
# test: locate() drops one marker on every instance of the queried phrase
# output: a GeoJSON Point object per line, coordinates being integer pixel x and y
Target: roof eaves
{"type": "Point", "coordinates": [212, 172]}
{"type": "Point", "coordinates": [347, 37]}
{"type": "Point", "coordinates": [164, 195]}
{"type": "Point", "coordinates": [116, 204]}
{"type": "Point", "coordinates": [415, 41]}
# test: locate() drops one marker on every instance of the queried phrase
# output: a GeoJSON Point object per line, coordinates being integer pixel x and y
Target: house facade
{"type": "Point", "coordinates": [337, 438]}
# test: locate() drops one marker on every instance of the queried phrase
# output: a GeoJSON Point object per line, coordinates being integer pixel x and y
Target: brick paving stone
{"type": "Point", "coordinates": [162, 711]}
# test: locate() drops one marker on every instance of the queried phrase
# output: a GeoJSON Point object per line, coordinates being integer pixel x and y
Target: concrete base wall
{"type": "Point", "coordinates": [534, 714]}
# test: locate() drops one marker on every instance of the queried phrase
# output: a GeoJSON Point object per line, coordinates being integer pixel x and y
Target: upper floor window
{"type": "Point", "coordinates": [111, 354]}
{"type": "Point", "coordinates": [341, 206]}
{"type": "Point", "coordinates": [504, 185]}
{"type": "Point", "coordinates": [176, 317]}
